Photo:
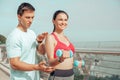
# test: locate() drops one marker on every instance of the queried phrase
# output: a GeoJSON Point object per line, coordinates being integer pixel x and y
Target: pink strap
{"type": "Point", "coordinates": [55, 37]}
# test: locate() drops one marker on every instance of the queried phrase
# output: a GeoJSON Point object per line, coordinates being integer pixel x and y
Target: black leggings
{"type": "Point", "coordinates": [62, 74]}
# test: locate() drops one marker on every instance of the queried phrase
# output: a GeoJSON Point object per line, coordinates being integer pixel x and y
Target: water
{"type": "Point", "coordinates": [98, 44]}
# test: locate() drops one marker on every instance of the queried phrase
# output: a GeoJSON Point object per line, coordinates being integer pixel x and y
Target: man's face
{"type": "Point", "coordinates": [26, 19]}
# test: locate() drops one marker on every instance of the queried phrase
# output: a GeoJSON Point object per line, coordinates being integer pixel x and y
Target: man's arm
{"type": "Point", "coordinates": [41, 46]}
{"type": "Point", "coordinates": [16, 64]}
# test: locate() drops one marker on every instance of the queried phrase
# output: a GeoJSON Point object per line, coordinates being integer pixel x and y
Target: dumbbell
{"type": "Point", "coordinates": [76, 63]}
{"type": "Point", "coordinates": [59, 53]}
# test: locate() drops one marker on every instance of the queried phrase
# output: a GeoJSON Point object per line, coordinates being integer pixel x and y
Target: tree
{"type": "Point", "coordinates": [2, 39]}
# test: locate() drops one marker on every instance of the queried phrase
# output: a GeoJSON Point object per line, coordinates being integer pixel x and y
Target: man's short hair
{"type": "Point", "coordinates": [25, 7]}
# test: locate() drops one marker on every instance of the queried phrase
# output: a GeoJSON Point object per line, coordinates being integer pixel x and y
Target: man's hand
{"type": "Point", "coordinates": [41, 37]}
{"type": "Point", "coordinates": [43, 67]}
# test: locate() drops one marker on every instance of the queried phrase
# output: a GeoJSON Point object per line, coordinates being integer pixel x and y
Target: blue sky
{"type": "Point", "coordinates": [90, 20]}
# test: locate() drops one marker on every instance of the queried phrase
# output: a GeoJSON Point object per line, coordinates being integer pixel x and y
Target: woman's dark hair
{"type": "Point", "coordinates": [55, 15]}
{"type": "Point", "coordinates": [24, 7]}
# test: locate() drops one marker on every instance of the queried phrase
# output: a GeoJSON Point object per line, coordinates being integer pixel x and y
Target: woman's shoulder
{"type": "Point", "coordinates": [49, 36]}
{"type": "Point", "coordinates": [50, 39]}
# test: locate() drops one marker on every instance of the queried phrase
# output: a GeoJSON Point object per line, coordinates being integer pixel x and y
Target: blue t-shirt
{"type": "Point", "coordinates": [22, 44]}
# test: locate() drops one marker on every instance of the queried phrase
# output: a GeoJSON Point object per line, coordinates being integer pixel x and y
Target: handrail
{"type": "Point", "coordinates": [97, 59]}
{"type": "Point", "coordinates": [94, 58]}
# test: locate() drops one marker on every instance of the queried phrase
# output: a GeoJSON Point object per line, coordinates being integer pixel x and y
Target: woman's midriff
{"type": "Point", "coordinates": [66, 64]}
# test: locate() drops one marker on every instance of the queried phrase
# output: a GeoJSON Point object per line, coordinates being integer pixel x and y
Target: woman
{"type": "Point", "coordinates": [57, 40]}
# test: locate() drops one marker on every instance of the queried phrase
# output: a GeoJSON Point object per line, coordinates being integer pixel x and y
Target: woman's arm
{"type": "Point", "coordinates": [49, 47]}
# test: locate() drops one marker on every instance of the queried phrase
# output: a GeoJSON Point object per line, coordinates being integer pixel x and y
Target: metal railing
{"type": "Point", "coordinates": [101, 64]}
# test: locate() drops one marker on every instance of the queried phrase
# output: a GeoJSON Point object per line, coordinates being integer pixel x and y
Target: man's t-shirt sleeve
{"type": "Point", "coordinates": [13, 47]}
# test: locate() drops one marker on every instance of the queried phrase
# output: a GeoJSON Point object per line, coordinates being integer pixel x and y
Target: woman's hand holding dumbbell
{"type": "Point", "coordinates": [63, 54]}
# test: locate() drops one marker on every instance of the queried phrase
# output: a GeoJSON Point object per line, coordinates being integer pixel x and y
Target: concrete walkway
{"type": "Point", "coordinates": [4, 71]}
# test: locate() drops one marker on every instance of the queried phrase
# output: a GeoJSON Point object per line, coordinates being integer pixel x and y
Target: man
{"type": "Point", "coordinates": [21, 47]}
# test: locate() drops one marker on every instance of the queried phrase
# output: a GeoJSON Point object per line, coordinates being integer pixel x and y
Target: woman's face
{"type": "Point", "coordinates": [60, 21]}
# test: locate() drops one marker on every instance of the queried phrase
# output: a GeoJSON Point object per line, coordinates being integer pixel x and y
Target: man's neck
{"type": "Point", "coordinates": [22, 28]}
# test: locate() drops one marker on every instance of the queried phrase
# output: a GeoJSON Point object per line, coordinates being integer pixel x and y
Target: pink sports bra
{"type": "Point", "coordinates": [61, 45]}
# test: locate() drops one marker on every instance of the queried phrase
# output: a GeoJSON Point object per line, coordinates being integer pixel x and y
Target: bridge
{"type": "Point", "coordinates": [101, 64]}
